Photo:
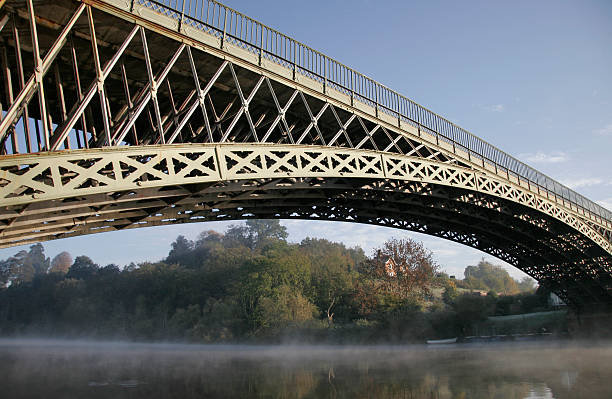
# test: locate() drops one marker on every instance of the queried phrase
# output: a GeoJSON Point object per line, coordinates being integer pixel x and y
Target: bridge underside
{"type": "Point", "coordinates": [87, 192]}
{"type": "Point", "coordinates": [145, 125]}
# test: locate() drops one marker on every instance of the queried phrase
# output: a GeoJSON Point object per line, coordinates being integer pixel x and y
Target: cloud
{"type": "Point", "coordinates": [583, 182]}
{"type": "Point", "coordinates": [605, 131]}
{"type": "Point", "coordinates": [495, 107]}
{"type": "Point", "coordinates": [543, 157]}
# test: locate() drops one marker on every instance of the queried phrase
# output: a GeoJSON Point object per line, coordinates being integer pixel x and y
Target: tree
{"type": "Point", "coordinates": [471, 309]}
{"type": "Point", "coordinates": [208, 237]}
{"type": "Point", "coordinates": [5, 273]}
{"type": "Point", "coordinates": [404, 266]}
{"type": "Point", "coordinates": [82, 268]}
{"type": "Point", "coordinates": [12, 269]}
{"type": "Point", "coordinates": [262, 230]}
{"type": "Point", "coordinates": [527, 284]}
{"type": "Point", "coordinates": [489, 277]}
{"type": "Point", "coordinates": [263, 274]}
{"type": "Point", "coordinates": [36, 257]}
{"type": "Point", "coordinates": [333, 271]}
{"type": "Point", "coordinates": [25, 265]}
{"type": "Point", "coordinates": [284, 306]}
{"type": "Point", "coordinates": [450, 293]}
{"type": "Point", "coordinates": [109, 270]}
{"type": "Point", "coordinates": [20, 270]}
{"type": "Point", "coordinates": [131, 267]}
{"type": "Point", "coordinates": [255, 233]}
{"type": "Point", "coordinates": [61, 263]}
{"type": "Point", "coordinates": [181, 248]}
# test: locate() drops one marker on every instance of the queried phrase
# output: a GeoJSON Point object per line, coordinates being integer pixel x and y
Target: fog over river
{"type": "Point", "coordinates": [87, 369]}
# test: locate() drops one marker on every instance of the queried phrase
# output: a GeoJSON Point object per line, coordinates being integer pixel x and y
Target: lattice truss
{"type": "Point", "coordinates": [143, 88]}
{"type": "Point", "coordinates": [163, 132]}
{"type": "Point", "coordinates": [156, 90]}
{"type": "Point", "coordinates": [85, 192]}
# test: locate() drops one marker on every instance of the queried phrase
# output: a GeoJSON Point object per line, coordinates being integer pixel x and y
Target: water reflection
{"type": "Point", "coordinates": [100, 370]}
{"type": "Point", "coordinates": [539, 391]}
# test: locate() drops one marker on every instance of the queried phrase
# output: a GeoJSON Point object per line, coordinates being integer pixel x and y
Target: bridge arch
{"type": "Point", "coordinates": [56, 195]}
{"type": "Point", "coordinates": [175, 116]}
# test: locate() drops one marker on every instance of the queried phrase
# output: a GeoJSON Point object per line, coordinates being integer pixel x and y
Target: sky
{"type": "Point", "coordinates": [532, 78]}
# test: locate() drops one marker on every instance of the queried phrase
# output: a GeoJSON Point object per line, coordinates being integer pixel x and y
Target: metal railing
{"type": "Point", "coordinates": [231, 26]}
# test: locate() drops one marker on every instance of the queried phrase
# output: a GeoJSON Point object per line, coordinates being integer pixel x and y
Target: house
{"type": "Point", "coordinates": [390, 267]}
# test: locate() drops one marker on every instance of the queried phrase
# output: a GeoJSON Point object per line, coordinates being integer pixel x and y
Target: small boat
{"type": "Point", "coordinates": [442, 341]}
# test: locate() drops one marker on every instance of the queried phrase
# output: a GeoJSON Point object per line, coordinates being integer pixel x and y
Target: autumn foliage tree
{"type": "Point", "coordinates": [403, 266]}
{"type": "Point", "coordinates": [250, 283]}
{"type": "Point", "coordinates": [490, 277]}
{"type": "Point", "coordinates": [61, 263]}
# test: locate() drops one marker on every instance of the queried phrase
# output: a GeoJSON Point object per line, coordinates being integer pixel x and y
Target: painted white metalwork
{"type": "Point", "coordinates": [282, 131]}
{"type": "Point", "coordinates": [223, 32]}
{"type": "Point", "coordinates": [26, 179]}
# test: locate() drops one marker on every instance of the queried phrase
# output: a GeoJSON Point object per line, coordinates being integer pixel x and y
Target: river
{"type": "Point", "coordinates": [86, 369]}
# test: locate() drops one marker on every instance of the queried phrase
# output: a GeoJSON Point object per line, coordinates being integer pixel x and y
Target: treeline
{"type": "Point", "coordinates": [488, 277]}
{"type": "Point", "coordinates": [251, 284]}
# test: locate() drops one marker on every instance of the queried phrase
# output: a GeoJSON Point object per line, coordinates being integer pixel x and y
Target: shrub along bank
{"type": "Point", "coordinates": [250, 284]}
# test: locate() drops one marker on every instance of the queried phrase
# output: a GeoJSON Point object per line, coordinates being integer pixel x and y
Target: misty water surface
{"type": "Point", "coordinates": [77, 369]}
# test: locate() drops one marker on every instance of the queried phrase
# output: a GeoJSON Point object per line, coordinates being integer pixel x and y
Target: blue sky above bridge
{"type": "Point", "coordinates": [532, 78]}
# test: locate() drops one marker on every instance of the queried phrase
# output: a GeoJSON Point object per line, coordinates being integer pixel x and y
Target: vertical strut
{"type": "Point", "coordinates": [200, 96]}
{"type": "Point", "coordinates": [8, 86]}
{"type": "Point", "coordinates": [205, 91]}
{"type": "Point", "coordinates": [144, 100]}
{"type": "Point", "coordinates": [77, 79]}
{"type": "Point", "coordinates": [38, 74]}
{"type": "Point", "coordinates": [4, 19]}
{"type": "Point", "coordinates": [62, 103]}
{"type": "Point", "coordinates": [26, 116]}
{"type": "Point", "coordinates": [100, 77]}
{"type": "Point", "coordinates": [153, 86]}
{"type": "Point", "coordinates": [128, 97]}
{"type": "Point", "coordinates": [38, 140]}
{"type": "Point", "coordinates": [84, 102]}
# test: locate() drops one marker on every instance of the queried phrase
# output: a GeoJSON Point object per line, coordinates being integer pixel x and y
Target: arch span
{"type": "Point", "coordinates": [119, 114]}
{"type": "Point", "coordinates": [48, 196]}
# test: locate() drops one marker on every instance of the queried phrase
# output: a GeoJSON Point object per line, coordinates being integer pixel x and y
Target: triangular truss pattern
{"type": "Point", "coordinates": [67, 175]}
{"type": "Point", "coordinates": [540, 245]}
{"type": "Point", "coordinates": [131, 85]}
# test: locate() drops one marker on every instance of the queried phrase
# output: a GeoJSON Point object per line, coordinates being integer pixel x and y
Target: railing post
{"type": "Point", "coordinates": [224, 28]}
{"type": "Point", "coordinates": [261, 29]}
{"type": "Point", "coordinates": [292, 48]}
{"type": "Point", "coordinates": [180, 23]}
{"type": "Point", "coordinates": [352, 87]}
{"type": "Point", "coordinates": [399, 115]}
{"type": "Point", "coordinates": [376, 99]}
{"type": "Point", "coordinates": [324, 74]}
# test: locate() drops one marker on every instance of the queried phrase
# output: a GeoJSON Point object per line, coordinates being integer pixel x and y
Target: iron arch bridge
{"type": "Point", "coordinates": [119, 114]}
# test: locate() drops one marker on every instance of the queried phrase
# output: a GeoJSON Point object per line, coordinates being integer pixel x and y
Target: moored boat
{"type": "Point", "coordinates": [442, 341]}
